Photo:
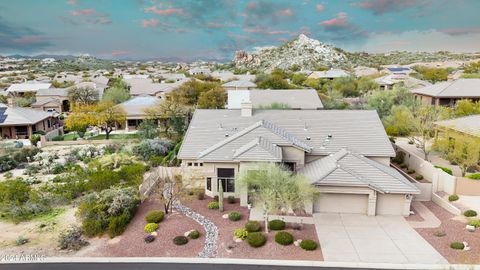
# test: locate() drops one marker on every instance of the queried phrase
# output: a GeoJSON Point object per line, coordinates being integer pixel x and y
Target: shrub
{"type": "Point", "coordinates": [297, 226]}
{"type": "Point", "coordinates": [475, 223]}
{"type": "Point", "coordinates": [155, 161]}
{"type": "Point", "coordinates": [21, 241]}
{"type": "Point", "coordinates": [240, 233]}
{"type": "Point", "coordinates": [154, 216]}
{"type": "Point", "coordinates": [475, 176]}
{"type": "Point", "coordinates": [58, 138]}
{"type": "Point", "coordinates": [97, 208]}
{"type": "Point", "coordinates": [276, 225]}
{"type": "Point", "coordinates": [453, 197]}
{"type": "Point", "coordinates": [419, 177]}
{"type": "Point", "coordinates": [72, 239]}
{"type": "Point", "coordinates": [180, 240]}
{"type": "Point", "coordinates": [256, 239]}
{"type": "Point", "coordinates": [439, 234]}
{"type": "Point", "coordinates": [213, 205]}
{"type": "Point", "coordinates": [150, 227]}
{"type": "Point", "coordinates": [7, 163]}
{"type": "Point", "coordinates": [234, 216]}
{"type": "Point", "coordinates": [399, 158]}
{"type": "Point", "coordinates": [149, 238]}
{"type": "Point", "coordinates": [117, 225]}
{"type": "Point", "coordinates": [93, 227]}
{"type": "Point", "coordinates": [284, 238]}
{"type": "Point", "coordinates": [194, 234]}
{"type": "Point", "coordinates": [103, 179]}
{"type": "Point", "coordinates": [308, 244]}
{"type": "Point", "coordinates": [457, 245]}
{"type": "Point", "coordinates": [470, 213]}
{"type": "Point", "coordinates": [253, 226]}
{"type": "Point", "coordinates": [447, 170]}
{"type": "Point", "coordinates": [410, 171]}
{"type": "Point", "coordinates": [403, 165]}
{"type": "Point", "coordinates": [152, 147]}
{"type": "Point", "coordinates": [25, 154]}
{"type": "Point", "coordinates": [201, 195]}
{"type": "Point", "coordinates": [231, 199]}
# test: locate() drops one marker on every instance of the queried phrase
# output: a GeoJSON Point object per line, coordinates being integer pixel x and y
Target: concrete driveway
{"type": "Point", "coordinates": [378, 239]}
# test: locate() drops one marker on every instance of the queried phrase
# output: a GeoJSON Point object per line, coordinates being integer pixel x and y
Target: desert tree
{"type": "Point", "coordinates": [275, 189]}
{"type": "Point", "coordinates": [108, 116]}
{"type": "Point", "coordinates": [83, 95]}
{"type": "Point", "coordinates": [169, 188]}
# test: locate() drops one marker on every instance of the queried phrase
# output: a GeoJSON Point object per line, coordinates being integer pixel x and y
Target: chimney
{"type": "Point", "coordinates": [247, 109]}
{"type": "Point", "coordinates": [11, 102]}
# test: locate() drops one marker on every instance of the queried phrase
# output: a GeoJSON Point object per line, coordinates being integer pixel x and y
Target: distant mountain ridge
{"type": "Point", "coordinates": [302, 52]}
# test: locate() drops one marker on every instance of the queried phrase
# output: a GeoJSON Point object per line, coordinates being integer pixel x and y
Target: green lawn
{"type": "Point", "coordinates": [115, 137]}
{"type": "Point", "coordinates": [70, 137]}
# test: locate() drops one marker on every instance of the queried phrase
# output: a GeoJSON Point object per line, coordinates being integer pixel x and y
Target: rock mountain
{"type": "Point", "coordinates": [302, 52]}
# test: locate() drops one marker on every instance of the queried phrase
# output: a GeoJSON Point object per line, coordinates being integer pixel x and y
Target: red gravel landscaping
{"type": "Point", "coordinates": [455, 232]}
{"type": "Point", "coordinates": [131, 243]}
{"type": "Point", "coordinates": [228, 248]}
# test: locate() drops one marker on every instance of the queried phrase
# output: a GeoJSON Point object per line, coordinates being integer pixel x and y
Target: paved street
{"type": "Point", "coordinates": [378, 239]}
{"type": "Point", "coordinates": [164, 266]}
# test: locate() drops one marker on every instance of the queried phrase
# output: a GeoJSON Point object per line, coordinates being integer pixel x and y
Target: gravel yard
{"type": "Point", "coordinates": [131, 242]}
{"type": "Point", "coordinates": [228, 248]}
{"type": "Point", "coordinates": [454, 229]}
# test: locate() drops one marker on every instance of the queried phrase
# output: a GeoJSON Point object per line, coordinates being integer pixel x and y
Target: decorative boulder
{"type": "Point", "coordinates": [238, 240]}
{"type": "Point", "coordinates": [225, 216]}
{"type": "Point", "coordinates": [297, 242]}
{"type": "Point", "coordinates": [154, 234]}
{"type": "Point", "coordinates": [470, 228]}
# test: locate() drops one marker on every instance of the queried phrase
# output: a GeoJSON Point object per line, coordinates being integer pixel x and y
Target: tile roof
{"type": "Point", "coordinates": [461, 88]}
{"type": "Point", "coordinates": [140, 86]}
{"type": "Point", "coordinates": [53, 92]}
{"type": "Point", "coordinates": [219, 133]}
{"type": "Point", "coordinates": [306, 99]}
{"type": "Point", "coordinates": [259, 149]}
{"type": "Point", "coordinates": [31, 86]}
{"type": "Point", "coordinates": [244, 84]}
{"type": "Point", "coordinates": [467, 124]}
{"type": "Point", "coordinates": [22, 116]}
{"type": "Point", "coordinates": [137, 106]}
{"type": "Point", "coordinates": [346, 168]}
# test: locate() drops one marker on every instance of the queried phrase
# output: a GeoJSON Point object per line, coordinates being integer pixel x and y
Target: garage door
{"type": "Point", "coordinates": [341, 203]}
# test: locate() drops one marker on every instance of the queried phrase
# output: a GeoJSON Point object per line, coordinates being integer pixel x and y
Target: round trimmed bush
{"type": "Point", "coordinates": [240, 233]}
{"type": "Point", "coordinates": [284, 238]}
{"type": "Point", "coordinates": [457, 245]}
{"type": "Point", "coordinates": [154, 216]}
{"type": "Point", "coordinates": [149, 238]}
{"type": "Point", "coordinates": [276, 225]}
{"type": "Point", "coordinates": [308, 245]}
{"type": "Point", "coordinates": [419, 177]}
{"type": "Point", "coordinates": [256, 239]}
{"type": "Point", "coordinates": [403, 165]}
{"type": "Point", "coordinates": [180, 240]}
{"type": "Point", "coordinates": [234, 216]}
{"type": "Point", "coordinates": [231, 199]}
{"type": "Point", "coordinates": [213, 205]}
{"type": "Point", "coordinates": [453, 197]}
{"type": "Point", "coordinates": [194, 234]}
{"type": "Point", "coordinates": [253, 226]}
{"type": "Point", "coordinates": [475, 223]}
{"type": "Point", "coordinates": [411, 171]}
{"type": "Point", "coordinates": [150, 227]}
{"type": "Point", "coordinates": [470, 213]}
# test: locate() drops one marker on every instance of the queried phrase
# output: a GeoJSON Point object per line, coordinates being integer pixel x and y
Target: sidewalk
{"type": "Point", "coordinates": [429, 219]}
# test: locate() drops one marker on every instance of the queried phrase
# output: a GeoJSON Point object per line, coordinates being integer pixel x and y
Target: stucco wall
{"type": "Point", "coordinates": [467, 187]}
{"type": "Point", "coordinates": [292, 154]}
{"type": "Point", "coordinates": [382, 160]}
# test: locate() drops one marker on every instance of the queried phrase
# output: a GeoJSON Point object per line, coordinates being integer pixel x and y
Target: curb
{"type": "Point", "coordinates": [295, 263]}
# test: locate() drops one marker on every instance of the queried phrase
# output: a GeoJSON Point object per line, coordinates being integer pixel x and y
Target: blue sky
{"type": "Point", "coordinates": [215, 29]}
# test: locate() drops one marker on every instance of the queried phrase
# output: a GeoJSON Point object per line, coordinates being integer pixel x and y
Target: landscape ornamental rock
{"type": "Point", "coordinates": [470, 228]}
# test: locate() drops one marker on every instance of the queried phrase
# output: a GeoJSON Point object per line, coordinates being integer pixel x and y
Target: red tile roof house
{"type": "Point", "coordinates": [346, 154]}
{"type": "Point", "coordinates": [21, 123]}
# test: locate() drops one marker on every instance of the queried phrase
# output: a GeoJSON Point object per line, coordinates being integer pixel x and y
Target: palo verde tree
{"type": "Point", "coordinates": [108, 116]}
{"type": "Point", "coordinates": [83, 95]}
{"type": "Point", "coordinates": [275, 189]}
{"type": "Point", "coordinates": [460, 149]}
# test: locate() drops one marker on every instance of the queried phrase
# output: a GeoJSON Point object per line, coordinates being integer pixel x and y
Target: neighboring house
{"type": "Point", "coordinates": [364, 71]}
{"type": "Point", "coordinates": [226, 76]}
{"type": "Point", "coordinates": [448, 93]}
{"type": "Point", "coordinates": [345, 153]}
{"type": "Point", "coordinates": [387, 82]}
{"type": "Point", "coordinates": [398, 70]}
{"type": "Point", "coordinates": [171, 77]}
{"type": "Point", "coordinates": [52, 99]}
{"type": "Point", "coordinates": [239, 85]}
{"type": "Point", "coordinates": [21, 123]}
{"type": "Point", "coordinates": [30, 86]}
{"type": "Point", "coordinates": [329, 74]}
{"type": "Point", "coordinates": [296, 99]}
{"type": "Point", "coordinates": [136, 109]}
{"type": "Point", "coordinates": [467, 125]}
{"type": "Point", "coordinates": [98, 86]}
{"type": "Point", "coordinates": [142, 87]}
{"type": "Point", "coordinates": [199, 71]}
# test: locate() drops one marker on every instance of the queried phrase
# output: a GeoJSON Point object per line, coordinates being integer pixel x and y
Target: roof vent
{"type": "Point", "coordinates": [226, 135]}
{"type": "Point", "coordinates": [329, 136]}
{"type": "Point", "coordinates": [308, 138]}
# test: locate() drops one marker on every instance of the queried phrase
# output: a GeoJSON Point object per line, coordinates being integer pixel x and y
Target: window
{"type": "Point", "coordinates": [195, 164]}
{"type": "Point", "coordinates": [226, 178]}
{"type": "Point", "coordinates": [289, 166]}
{"type": "Point", "coordinates": [201, 164]}
{"type": "Point", "coordinates": [209, 184]}
{"type": "Point", "coordinates": [189, 164]}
